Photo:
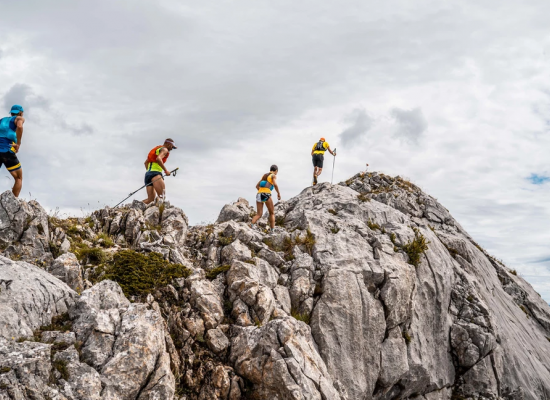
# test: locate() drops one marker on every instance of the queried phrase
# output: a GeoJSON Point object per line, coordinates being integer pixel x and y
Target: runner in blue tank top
{"type": "Point", "coordinates": [11, 133]}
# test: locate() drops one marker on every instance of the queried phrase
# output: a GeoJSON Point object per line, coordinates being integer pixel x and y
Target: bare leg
{"type": "Point", "coordinates": [158, 185]}
{"type": "Point", "coordinates": [319, 170]}
{"type": "Point", "coordinates": [18, 176]}
{"type": "Point", "coordinates": [150, 194]}
{"type": "Point", "coordinates": [271, 209]}
{"type": "Point", "coordinates": [259, 212]}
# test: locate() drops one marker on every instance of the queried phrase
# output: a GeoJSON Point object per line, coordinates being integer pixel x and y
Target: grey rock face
{"type": "Point", "coordinates": [124, 342]}
{"type": "Point", "coordinates": [207, 300]}
{"type": "Point", "coordinates": [29, 298]}
{"type": "Point", "coordinates": [369, 290]}
{"type": "Point", "coordinates": [12, 218]}
{"type": "Point", "coordinates": [216, 340]}
{"type": "Point", "coordinates": [24, 230]}
{"type": "Point", "coordinates": [239, 211]}
{"type": "Point", "coordinates": [67, 269]}
{"type": "Point", "coordinates": [281, 358]}
{"type": "Point", "coordinates": [122, 346]}
{"type": "Point", "coordinates": [27, 369]}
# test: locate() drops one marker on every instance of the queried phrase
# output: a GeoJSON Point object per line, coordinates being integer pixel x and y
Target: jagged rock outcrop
{"type": "Point", "coordinates": [24, 229]}
{"type": "Point", "coordinates": [368, 289]}
{"type": "Point", "coordinates": [29, 298]}
{"type": "Point", "coordinates": [58, 345]}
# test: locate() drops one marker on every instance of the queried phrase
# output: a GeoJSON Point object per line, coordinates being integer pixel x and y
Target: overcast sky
{"type": "Point", "coordinates": [453, 95]}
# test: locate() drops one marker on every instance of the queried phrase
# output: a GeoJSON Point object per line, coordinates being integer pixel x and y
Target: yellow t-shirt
{"type": "Point", "coordinates": [325, 145]}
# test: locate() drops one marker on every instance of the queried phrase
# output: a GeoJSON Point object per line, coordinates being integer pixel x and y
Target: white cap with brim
{"type": "Point", "coordinates": [171, 142]}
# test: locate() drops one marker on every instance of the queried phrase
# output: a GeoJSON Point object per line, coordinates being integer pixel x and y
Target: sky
{"type": "Point", "coordinates": [453, 95]}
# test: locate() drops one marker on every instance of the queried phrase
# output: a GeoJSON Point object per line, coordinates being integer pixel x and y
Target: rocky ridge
{"type": "Point", "coordinates": [368, 289]}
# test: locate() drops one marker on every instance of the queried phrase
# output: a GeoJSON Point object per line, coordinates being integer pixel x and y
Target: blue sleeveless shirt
{"type": "Point", "coordinates": [7, 134]}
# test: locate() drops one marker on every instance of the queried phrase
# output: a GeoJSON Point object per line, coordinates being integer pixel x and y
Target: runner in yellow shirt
{"type": "Point", "coordinates": [318, 155]}
{"type": "Point", "coordinates": [265, 186]}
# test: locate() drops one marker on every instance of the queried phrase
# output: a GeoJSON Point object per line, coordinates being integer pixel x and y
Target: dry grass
{"type": "Point", "coordinates": [416, 248]}
{"type": "Point", "coordinates": [216, 271]}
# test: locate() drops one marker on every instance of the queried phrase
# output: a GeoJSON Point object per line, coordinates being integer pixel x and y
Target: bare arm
{"type": "Point", "coordinates": [19, 121]}
{"type": "Point", "coordinates": [162, 154]}
{"type": "Point", "coordinates": [330, 151]}
{"type": "Point", "coordinates": [258, 185]}
{"type": "Point", "coordinates": [276, 187]}
{"type": "Point", "coordinates": [146, 164]}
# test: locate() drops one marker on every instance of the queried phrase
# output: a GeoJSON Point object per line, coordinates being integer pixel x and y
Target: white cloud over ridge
{"type": "Point", "coordinates": [411, 124]}
{"type": "Point", "coordinates": [360, 123]}
{"type": "Point", "coordinates": [454, 96]}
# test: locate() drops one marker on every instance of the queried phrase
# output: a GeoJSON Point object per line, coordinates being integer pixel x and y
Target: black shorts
{"type": "Point", "coordinates": [10, 160]}
{"type": "Point", "coordinates": [318, 160]}
{"type": "Point", "coordinates": [263, 197]}
{"type": "Point", "coordinates": [149, 175]}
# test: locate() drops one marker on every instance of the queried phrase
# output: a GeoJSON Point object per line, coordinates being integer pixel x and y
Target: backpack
{"type": "Point", "coordinates": [320, 146]}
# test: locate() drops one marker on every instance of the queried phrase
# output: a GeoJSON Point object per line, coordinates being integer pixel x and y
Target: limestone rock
{"type": "Point", "coordinates": [29, 298]}
{"type": "Point", "coordinates": [216, 340]}
{"type": "Point", "coordinates": [333, 305]}
{"type": "Point", "coordinates": [239, 211]}
{"type": "Point", "coordinates": [67, 269]}
{"type": "Point", "coordinates": [236, 251]}
{"type": "Point", "coordinates": [282, 360]}
{"type": "Point", "coordinates": [207, 300]}
{"type": "Point", "coordinates": [124, 342]}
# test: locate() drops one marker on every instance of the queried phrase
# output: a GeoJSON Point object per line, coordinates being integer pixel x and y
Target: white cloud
{"type": "Point", "coordinates": [243, 86]}
{"type": "Point", "coordinates": [359, 124]}
{"type": "Point", "coordinates": [411, 123]}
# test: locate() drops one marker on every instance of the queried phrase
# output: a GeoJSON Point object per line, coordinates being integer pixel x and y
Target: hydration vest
{"type": "Point", "coordinates": [266, 183]}
{"type": "Point", "coordinates": [320, 146]}
{"type": "Point", "coordinates": [7, 135]}
{"type": "Point", "coordinates": [152, 157]}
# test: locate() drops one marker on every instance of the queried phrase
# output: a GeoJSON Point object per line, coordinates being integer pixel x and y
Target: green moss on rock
{"type": "Point", "coordinates": [139, 274]}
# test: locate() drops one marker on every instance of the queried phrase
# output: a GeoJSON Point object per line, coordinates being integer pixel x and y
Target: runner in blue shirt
{"type": "Point", "coordinates": [11, 133]}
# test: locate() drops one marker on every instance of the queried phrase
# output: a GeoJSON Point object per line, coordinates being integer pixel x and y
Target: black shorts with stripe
{"type": "Point", "coordinates": [10, 160]}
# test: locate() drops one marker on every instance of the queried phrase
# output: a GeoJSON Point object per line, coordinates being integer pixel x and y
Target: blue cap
{"type": "Point", "coordinates": [16, 109]}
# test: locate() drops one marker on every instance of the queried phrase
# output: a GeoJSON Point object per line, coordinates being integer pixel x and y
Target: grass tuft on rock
{"type": "Point", "coordinates": [373, 225]}
{"type": "Point", "coordinates": [524, 309]}
{"type": "Point", "coordinates": [363, 198]}
{"type": "Point", "coordinates": [89, 255]}
{"type": "Point", "coordinates": [60, 323]}
{"type": "Point", "coordinates": [216, 271]}
{"type": "Point", "coordinates": [304, 317]}
{"type": "Point", "coordinates": [104, 240]}
{"type": "Point", "coordinates": [225, 240]}
{"type": "Point", "coordinates": [407, 337]}
{"type": "Point", "coordinates": [308, 242]}
{"type": "Point", "coordinates": [139, 274]}
{"type": "Point", "coordinates": [416, 248]}
{"type": "Point", "coordinates": [61, 367]}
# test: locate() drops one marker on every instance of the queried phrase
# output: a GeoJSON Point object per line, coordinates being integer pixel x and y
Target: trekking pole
{"type": "Point", "coordinates": [174, 172]}
{"type": "Point", "coordinates": [333, 162]}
